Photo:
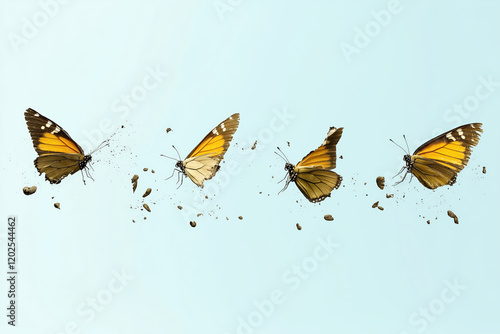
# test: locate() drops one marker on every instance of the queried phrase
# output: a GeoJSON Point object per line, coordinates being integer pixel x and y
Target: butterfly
{"type": "Point", "coordinates": [58, 154]}
{"type": "Point", "coordinates": [312, 174]}
{"type": "Point", "coordinates": [437, 162]}
{"type": "Point", "coordinates": [203, 161]}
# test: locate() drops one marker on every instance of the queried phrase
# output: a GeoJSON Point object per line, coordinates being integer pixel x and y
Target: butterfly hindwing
{"type": "Point", "coordinates": [58, 154]}
{"type": "Point", "coordinates": [203, 161]}
{"type": "Point", "coordinates": [316, 184]}
{"type": "Point", "coordinates": [438, 161]}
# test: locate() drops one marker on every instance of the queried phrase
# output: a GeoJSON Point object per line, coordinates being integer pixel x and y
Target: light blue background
{"type": "Point", "coordinates": [260, 59]}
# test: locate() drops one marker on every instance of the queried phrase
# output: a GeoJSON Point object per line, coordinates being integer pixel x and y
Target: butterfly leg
{"type": "Point", "coordinates": [286, 185]}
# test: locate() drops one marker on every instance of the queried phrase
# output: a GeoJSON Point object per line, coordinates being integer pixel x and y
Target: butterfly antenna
{"type": "Point", "coordinates": [282, 156]}
{"type": "Point", "coordinates": [407, 147]}
{"type": "Point", "coordinates": [177, 153]}
{"type": "Point", "coordinates": [398, 145]}
{"type": "Point", "coordinates": [101, 146]}
{"type": "Point", "coordinates": [168, 157]}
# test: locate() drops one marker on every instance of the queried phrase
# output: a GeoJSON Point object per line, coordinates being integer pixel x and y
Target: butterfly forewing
{"type": "Point", "coordinates": [203, 161]}
{"type": "Point", "coordinates": [324, 156]}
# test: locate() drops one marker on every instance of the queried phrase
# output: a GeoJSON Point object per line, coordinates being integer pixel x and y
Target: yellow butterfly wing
{"type": "Point", "coordinates": [438, 161]}
{"type": "Point", "coordinates": [203, 161]}
{"type": "Point", "coordinates": [325, 156]}
{"type": "Point", "coordinates": [58, 154]}
{"type": "Point", "coordinates": [316, 184]}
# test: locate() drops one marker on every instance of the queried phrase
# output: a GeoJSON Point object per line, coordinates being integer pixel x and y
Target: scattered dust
{"type": "Point", "coordinates": [30, 190]}
{"type": "Point", "coordinates": [381, 182]}
{"type": "Point", "coordinates": [328, 217]}
{"type": "Point", "coordinates": [148, 191]}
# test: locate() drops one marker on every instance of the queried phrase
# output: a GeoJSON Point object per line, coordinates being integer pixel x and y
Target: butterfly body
{"type": "Point", "coordinates": [58, 154]}
{"type": "Point", "coordinates": [438, 161]}
{"type": "Point", "coordinates": [312, 174]}
{"type": "Point", "coordinates": [202, 163]}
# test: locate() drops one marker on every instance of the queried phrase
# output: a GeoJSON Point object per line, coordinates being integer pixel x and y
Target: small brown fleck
{"type": "Point", "coordinates": [299, 227]}
{"type": "Point", "coordinates": [428, 222]}
{"type": "Point", "coordinates": [192, 223]}
{"type": "Point", "coordinates": [133, 221]}
{"type": "Point", "coordinates": [341, 157]}
{"type": "Point", "coordinates": [288, 143]}
{"type": "Point", "coordinates": [123, 126]}
{"type": "Point", "coordinates": [148, 191]}
{"type": "Point", "coordinates": [454, 216]}
{"type": "Point", "coordinates": [484, 169]}
{"type": "Point", "coordinates": [206, 196]}
{"type": "Point", "coordinates": [389, 195]}
{"type": "Point", "coordinates": [135, 178]}
{"type": "Point", "coordinates": [30, 190]}
{"type": "Point", "coordinates": [145, 218]}
{"type": "Point", "coordinates": [227, 218]}
{"type": "Point", "coordinates": [199, 214]}
{"type": "Point", "coordinates": [145, 169]}
{"type": "Point", "coordinates": [179, 207]}
{"type": "Point", "coordinates": [57, 205]}
{"type": "Point", "coordinates": [146, 207]}
{"type": "Point", "coordinates": [328, 217]}
{"type": "Point", "coordinates": [381, 182]}
{"type": "Point", "coordinates": [254, 145]}
{"type": "Point", "coordinates": [168, 130]}
{"type": "Point", "coordinates": [374, 205]}
{"type": "Point", "coordinates": [380, 208]}
{"type": "Point", "coordinates": [152, 171]}
{"type": "Point", "coordinates": [240, 217]}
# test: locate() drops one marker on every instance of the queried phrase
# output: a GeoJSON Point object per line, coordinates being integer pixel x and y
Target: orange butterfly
{"type": "Point", "coordinates": [58, 154]}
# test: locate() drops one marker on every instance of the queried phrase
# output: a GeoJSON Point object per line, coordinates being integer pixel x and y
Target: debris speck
{"type": "Point", "coordinates": [145, 169]}
{"type": "Point", "coordinates": [254, 145]}
{"type": "Point", "coordinates": [152, 171]}
{"type": "Point", "coordinates": [328, 217]}
{"type": "Point", "coordinates": [428, 221]}
{"type": "Point", "coordinates": [134, 182]}
{"type": "Point", "coordinates": [374, 205]}
{"type": "Point", "coordinates": [146, 207]}
{"type": "Point", "coordinates": [57, 205]}
{"type": "Point", "coordinates": [199, 214]}
{"type": "Point", "coordinates": [381, 182]}
{"type": "Point", "coordinates": [192, 223]}
{"type": "Point", "coordinates": [484, 169]}
{"type": "Point", "coordinates": [288, 143]}
{"type": "Point", "coordinates": [454, 216]}
{"type": "Point", "coordinates": [380, 208]}
{"type": "Point", "coordinates": [168, 130]}
{"type": "Point", "coordinates": [179, 207]}
{"type": "Point", "coordinates": [389, 195]}
{"type": "Point", "coordinates": [299, 227]}
{"type": "Point", "coordinates": [240, 217]}
{"type": "Point", "coordinates": [341, 157]}
{"type": "Point", "coordinates": [148, 191]}
{"type": "Point", "coordinates": [30, 190]}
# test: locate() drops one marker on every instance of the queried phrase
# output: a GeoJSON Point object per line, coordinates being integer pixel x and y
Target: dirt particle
{"type": "Point", "coordinates": [57, 205]}
{"type": "Point", "coordinates": [30, 190]}
{"type": "Point", "coordinates": [380, 182]}
{"type": "Point", "coordinates": [134, 182]}
{"type": "Point", "coordinates": [168, 130]}
{"type": "Point", "coordinates": [428, 221]}
{"type": "Point", "coordinates": [179, 207]}
{"type": "Point", "coordinates": [199, 214]}
{"type": "Point", "coordinates": [152, 171]}
{"type": "Point", "coordinates": [454, 216]}
{"type": "Point", "coordinates": [192, 223]}
{"type": "Point", "coordinates": [254, 145]}
{"type": "Point", "coordinates": [484, 169]}
{"type": "Point", "coordinates": [374, 205]}
{"type": "Point", "coordinates": [148, 191]}
{"type": "Point", "coordinates": [299, 227]}
{"type": "Point", "coordinates": [146, 207]}
{"type": "Point", "coordinates": [145, 169]}
{"type": "Point", "coordinates": [133, 221]}
{"type": "Point", "coordinates": [206, 196]}
{"type": "Point", "coordinates": [389, 195]}
{"type": "Point", "coordinates": [240, 217]}
{"type": "Point", "coordinates": [328, 217]}
{"type": "Point", "coordinates": [288, 143]}
{"type": "Point", "coordinates": [341, 157]}
{"type": "Point", "coordinates": [380, 208]}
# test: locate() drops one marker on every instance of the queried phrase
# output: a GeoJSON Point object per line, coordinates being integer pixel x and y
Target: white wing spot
{"type": "Point", "coordinates": [49, 123]}
{"type": "Point", "coordinates": [37, 115]}
{"type": "Point", "coordinates": [450, 136]}
{"type": "Point", "coordinates": [42, 127]}
{"type": "Point", "coordinates": [214, 131]}
{"type": "Point", "coordinates": [473, 126]}
{"type": "Point", "coordinates": [57, 129]}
